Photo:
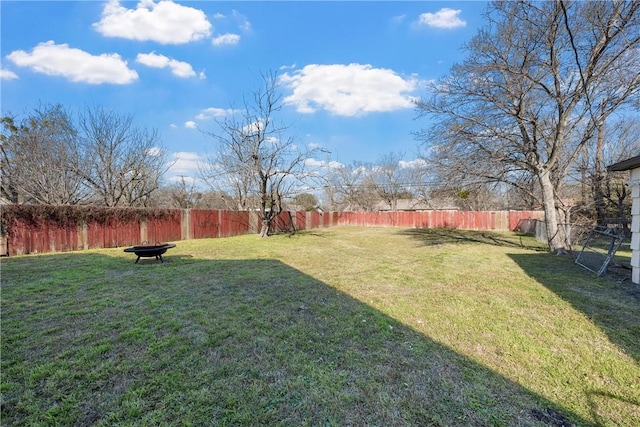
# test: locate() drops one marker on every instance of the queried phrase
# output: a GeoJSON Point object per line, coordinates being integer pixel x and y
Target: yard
{"type": "Point", "coordinates": [329, 327]}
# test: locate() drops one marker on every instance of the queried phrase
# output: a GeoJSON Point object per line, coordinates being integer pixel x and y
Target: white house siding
{"type": "Point", "coordinates": [634, 183]}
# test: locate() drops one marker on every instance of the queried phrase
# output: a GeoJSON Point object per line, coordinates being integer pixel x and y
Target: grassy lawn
{"type": "Point", "coordinates": [340, 326]}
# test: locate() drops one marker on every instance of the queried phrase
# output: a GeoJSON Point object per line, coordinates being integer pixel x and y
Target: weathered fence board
{"type": "Point", "coordinates": [301, 220]}
{"type": "Point", "coordinates": [25, 239]}
{"type": "Point", "coordinates": [204, 223]}
{"type": "Point", "coordinates": [283, 222]}
{"type": "Point", "coordinates": [234, 223]}
{"type": "Point", "coordinates": [314, 220]}
{"type": "Point", "coordinates": [164, 230]}
{"type": "Point", "coordinates": [113, 234]}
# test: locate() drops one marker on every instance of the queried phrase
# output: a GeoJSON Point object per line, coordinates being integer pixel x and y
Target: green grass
{"type": "Point", "coordinates": [339, 326]}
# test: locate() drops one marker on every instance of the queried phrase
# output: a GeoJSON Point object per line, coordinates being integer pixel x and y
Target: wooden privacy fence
{"type": "Point", "coordinates": [465, 220]}
{"type": "Point", "coordinates": [23, 237]}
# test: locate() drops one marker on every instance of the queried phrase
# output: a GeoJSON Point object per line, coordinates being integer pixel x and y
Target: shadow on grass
{"type": "Point", "coordinates": [439, 236]}
{"type": "Point", "coordinates": [613, 306]}
{"type": "Point", "coordinates": [96, 340]}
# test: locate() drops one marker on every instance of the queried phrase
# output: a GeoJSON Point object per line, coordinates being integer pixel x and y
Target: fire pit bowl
{"type": "Point", "coordinates": [150, 251]}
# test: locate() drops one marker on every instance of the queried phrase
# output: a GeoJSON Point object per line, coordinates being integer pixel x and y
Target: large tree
{"type": "Point", "coordinates": [257, 159]}
{"type": "Point", "coordinates": [122, 163]}
{"type": "Point", "coordinates": [536, 85]}
{"type": "Point", "coordinates": [38, 154]}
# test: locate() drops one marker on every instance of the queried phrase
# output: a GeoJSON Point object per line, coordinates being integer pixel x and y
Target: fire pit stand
{"type": "Point", "coordinates": [150, 251]}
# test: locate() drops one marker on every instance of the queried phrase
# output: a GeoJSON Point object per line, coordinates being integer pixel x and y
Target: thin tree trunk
{"type": "Point", "coordinates": [584, 185]}
{"type": "Point", "coordinates": [598, 191]}
{"type": "Point", "coordinates": [264, 229]}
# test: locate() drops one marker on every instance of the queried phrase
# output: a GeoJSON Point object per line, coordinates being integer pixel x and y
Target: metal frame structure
{"type": "Point", "coordinates": [616, 236]}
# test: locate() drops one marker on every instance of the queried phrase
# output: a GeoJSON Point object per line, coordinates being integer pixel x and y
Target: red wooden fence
{"type": "Point", "coordinates": [469, 220]}
{"type": "Point", "coordinates": [164, 230]}
{"type": "Point", "coordinates": [185, 224]}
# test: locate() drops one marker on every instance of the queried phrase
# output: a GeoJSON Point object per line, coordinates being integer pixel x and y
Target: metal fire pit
{"type": "Point", "coordinates": [150, 251]}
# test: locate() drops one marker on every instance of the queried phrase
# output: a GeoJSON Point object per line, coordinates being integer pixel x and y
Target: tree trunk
{"type": "Point", "coordinates": [584, 185]}
{"type": "Point", "coordinates": [598, 191]}
{"type": "Point", "coordinates": [264, 230]}
{"type": "Point", "coordinates": [555, 231]}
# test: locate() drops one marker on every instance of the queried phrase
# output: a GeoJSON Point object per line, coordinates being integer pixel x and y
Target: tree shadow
{"type": "Point", "coordinates": [229, 342]}
{"type": "Point", "coordinates": [595, 397]}
{"type": "Point", "coordinates": [439, 236]}
{"type": "Point", "coordinates": [612, 305]}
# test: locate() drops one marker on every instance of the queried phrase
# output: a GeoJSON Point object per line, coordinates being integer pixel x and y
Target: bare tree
{"type": "Point", "coordinates": [38, 154]}
{"type": "Point", "coordinates": [8, 190]}
{"type": "Point", "coordinates": [391, 179]}
{"type": "Point", "coordinates": [123, 164]}
{"type": "Point", "coordinates": [537, 83]}
{"type": "Point", "coordinates": [183, 194]}
{"type": "Point", "coordinates": [617, 140]}
{"type": "Point", "coordinates": [187, 196]}
{"type": "Point", "coordinates": [217, 172]}
{"type": "Point", "coordinates": [353, 187]}
{"type": "Point", "coordinates": [446, 179]}
{"type": "Point", "coordinates": [256, 157]}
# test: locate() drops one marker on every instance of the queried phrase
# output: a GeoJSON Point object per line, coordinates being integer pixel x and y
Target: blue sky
{"type": "Point", "coordinates": [349, 70]}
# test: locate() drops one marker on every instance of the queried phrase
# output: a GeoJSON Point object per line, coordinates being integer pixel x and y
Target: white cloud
{"type": "Point", "coordinates": [348, 90]}
{"type": "Point", "coordinates": [184, 164]}
{"type": "Point", "coordinates": [444, 18]}
{"type": "Point", "coordinates": [7, 75]}
{"type": "Point", "coordinates": [155, 151]}
{"type": "Point", "coordinates": [164, 22]}
{"type": "Point", "coordinates": [315, 163]}
{"type": "Point", "coordinates": [254, 127]}
{"type": "Point", "coordinates": [235, 20]}
{"type": "Point", "coordinates": [178, 68]}
{"type": "Point", "coordinates": [211, 112]}
{"type": "Point", "coordinates": [173, 126]}
{"type": "Point", "coordinates": [190, 124]}
{"type": "Point", "coordinates": [241, 21]}
{"type": "Point", "coordinates": [226, 39]}
{"type": "Point", "coordinates": [398, 19]}
{"type": "Point", "coordinates": [74, 64]}
{"type": "Point", "coordinates": [413, 164]}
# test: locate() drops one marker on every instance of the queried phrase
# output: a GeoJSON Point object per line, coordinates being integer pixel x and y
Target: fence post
{"type": "Point", "coordinates": [83, 235]}
{"type": "Point", "coordinates": [185, 224]}
{"type": "Point", "coordinates": [144, 232]}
